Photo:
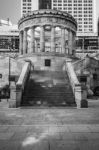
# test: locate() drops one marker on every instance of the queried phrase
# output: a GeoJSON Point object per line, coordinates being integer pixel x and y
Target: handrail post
{"type": "Point", "coordinates": [16, 90]}
{"type": "Point", "coordinates": [12, 100]}
{"type": "Point", "coordinates": [79, 91]}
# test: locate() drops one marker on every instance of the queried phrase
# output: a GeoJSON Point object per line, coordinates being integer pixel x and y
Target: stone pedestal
{"type": "Point", "coordinates": [18, 95]}
{"type": "Point", "coordinates": [81, 97]}
{"type": "Point", "coordinates": [12, 100]}
{"type": "Point", "coordinates": [15, 95]}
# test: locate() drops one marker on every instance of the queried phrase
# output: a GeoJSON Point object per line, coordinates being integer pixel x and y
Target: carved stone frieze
{"type": "Point", "coordinates": [48, 21]}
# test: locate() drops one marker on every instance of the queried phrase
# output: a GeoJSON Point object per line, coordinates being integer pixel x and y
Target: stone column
{"type": "Point", "coordinates": [12, 100]}
{"type": "Point", "coordinates": [21, 42]}
{"type": "Point", "coordinates": [63, 40]}
{"type": "Point", "coordinates": [74, 40]}
{"type": "Point", "coordinates": [42, 42]}
{"type": "Point", "coordinates": [25, 41]}
{"type": "Point", "coordinates": [53, 39]}
{"type": "Point", "coordinates": [32, 42]}
{"type": "Point", "coordinates": [70, 41]}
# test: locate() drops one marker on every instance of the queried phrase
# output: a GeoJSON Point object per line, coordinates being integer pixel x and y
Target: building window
{"type": "Point", "coordinates": [47, 62]}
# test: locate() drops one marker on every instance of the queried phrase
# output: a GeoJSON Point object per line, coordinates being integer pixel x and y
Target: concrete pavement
{"type": "Point", "coordinates": [49, 128]}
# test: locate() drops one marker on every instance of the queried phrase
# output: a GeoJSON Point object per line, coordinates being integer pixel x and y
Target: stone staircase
{"type": "Point", "coordinates": [47, 88]}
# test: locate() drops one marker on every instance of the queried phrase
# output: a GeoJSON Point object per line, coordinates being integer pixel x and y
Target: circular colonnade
{"type": "Point", "coordinates": [47, 31]}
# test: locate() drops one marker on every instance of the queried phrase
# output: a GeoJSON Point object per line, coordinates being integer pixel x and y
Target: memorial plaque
{"type": "Point", "coordinates": [0, 76]}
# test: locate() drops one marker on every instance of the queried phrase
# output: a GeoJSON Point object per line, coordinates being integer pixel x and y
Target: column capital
{"type": "Point", "coordinates": [42, 26]}
{"type": "Point", "coordinates": [21, 31]}
{"type": "Point", "coordinates": [63, 28]}
{"type": "Point", "coordinates": [53, 26]}
{"type": "Point", "coordinates": [25, 29]}
{"type": "Point", "coordinates": [32, 27]}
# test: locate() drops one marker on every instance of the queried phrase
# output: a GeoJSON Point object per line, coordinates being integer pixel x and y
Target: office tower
{"type": "Point", "coordinates": [30, 5]}
{"type": "Point", "coordinates": [44, 4]}
{"type": "Point", "coordinates": [84, 11]}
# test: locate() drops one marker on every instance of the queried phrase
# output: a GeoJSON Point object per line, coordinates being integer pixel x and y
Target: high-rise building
{"type": "Point", "coordinates": [30, 5]}
{"type": "Point", "coordinates": [84, 11]}
{"type": "Point", "coordinates": [44, 4]}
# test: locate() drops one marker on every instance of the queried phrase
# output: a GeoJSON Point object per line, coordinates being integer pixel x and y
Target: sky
{"type": "Point", "coordinates": [11, 9]}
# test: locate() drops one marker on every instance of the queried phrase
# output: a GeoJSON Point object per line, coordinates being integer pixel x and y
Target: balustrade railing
{"type": "Point", "coordinates": [79, 92]}
{"type": "Point", "coordinates": [16, 89]}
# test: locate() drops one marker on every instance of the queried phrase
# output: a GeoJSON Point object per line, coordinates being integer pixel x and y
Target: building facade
{"type": "Point", "coordinates": [84, 11]}
{"type": "Point", "coordinates": [30, 5]}
{"type": "Point", "coordinates": [51, 34]}
{"type": "Point", "coordinates": [9, 37]}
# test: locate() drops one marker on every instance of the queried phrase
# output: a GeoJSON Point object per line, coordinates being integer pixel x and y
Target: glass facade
{"type": "Point", "coordinates": [9, 43]}
{"type": "Point", "coordinates": [87, 43]}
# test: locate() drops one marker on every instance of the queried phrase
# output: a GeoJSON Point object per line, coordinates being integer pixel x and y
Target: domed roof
{"type": "Point", "coordinates": [47, 12]}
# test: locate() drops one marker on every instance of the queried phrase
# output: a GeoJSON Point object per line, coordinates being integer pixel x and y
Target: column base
{"type": "Point", "coordinates": [82, 104]}
{"type": "Point", "coordinates": [12, 104]}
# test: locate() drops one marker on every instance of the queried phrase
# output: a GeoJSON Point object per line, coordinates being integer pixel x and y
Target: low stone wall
{"type": "Point", "coordinates": [4, 71]}
{"type": "Point", "coordinates": [80, 92]}
{"type": "Point", "coordinates": [38, 61]}
{"type": "Point", "coordinates": [17, 89]}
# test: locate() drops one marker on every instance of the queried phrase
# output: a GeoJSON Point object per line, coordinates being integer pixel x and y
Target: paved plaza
{"type": "Point", "coordinates": [65, 128]}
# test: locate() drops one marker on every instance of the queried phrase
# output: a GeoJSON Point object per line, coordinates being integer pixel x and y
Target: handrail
{"type": "Point", "coordinates": [72, 75]}
{"type": "Point", "coordinates": [21, 83]}
{"type": "Point", "coordinates": [79, 64]}
{"type": "Point", "coordinates": [23, 75]}
{"type": "Point", "coordinates": [79, 91]}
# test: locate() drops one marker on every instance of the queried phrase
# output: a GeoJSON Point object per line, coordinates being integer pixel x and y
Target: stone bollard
{"type": "Point", "coordinates": [18, 95]}
{"type": "Point", "coordinates": [12, 100]}
{"type": "Point", "coordinates": [81, 97]}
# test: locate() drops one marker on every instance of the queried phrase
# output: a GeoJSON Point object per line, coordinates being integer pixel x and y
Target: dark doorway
{"type": "Point", "coordinates": [47, 62]}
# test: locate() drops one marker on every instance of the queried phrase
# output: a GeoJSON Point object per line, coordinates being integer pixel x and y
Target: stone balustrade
{"type": "Point", "coordinates": [80, 92]}
{"type": "Point", "coordinates": [17, 89]}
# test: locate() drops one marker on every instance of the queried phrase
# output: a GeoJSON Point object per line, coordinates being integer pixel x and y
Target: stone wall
{"type": "Point", "coordinates": [38, 61]}
{"type": "Point", "coordinates": [9, 66]}
{"type": "Point", "coordinates": [4, 71]}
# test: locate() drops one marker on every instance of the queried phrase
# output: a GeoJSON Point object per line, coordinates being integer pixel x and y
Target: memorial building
{"type": "Point", "coordinates": [46, 71]}
{"type": "Point", "coordinates": [46, 76]}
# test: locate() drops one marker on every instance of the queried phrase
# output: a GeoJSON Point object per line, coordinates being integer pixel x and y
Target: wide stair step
{"type": "Point", "coordinates": [50, 88]}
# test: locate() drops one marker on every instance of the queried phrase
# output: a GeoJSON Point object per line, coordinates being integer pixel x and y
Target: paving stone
{"type": "Point", "coordinates": [63, 128]}
{"type": "Point", "coordinates": [67, 136]}
{"type": "Point", "coordinates": [78, 128]}
{"type": "Point", "coordinates": [54, 132]}
{"type": "Point", "coordinates": [3, 128]}
{"type": "Point", "coordinates": [63, 145]}
{"type": "Point", "coordinates": [79, 136]}
{"type": "Point", "coordinates": [30, 144]}
{"type": "Point", "coordinates": [94, 128]}
{"type": "Point", "coordinates": [11, 145]}
{"type": "Point", "coordinates": [49, 129]}
{"type": "Point", "coordinates": [19, 136]}
{"type": "Point", "coordinates": [6, 135]}
{"type": "Point", "coordinates": [84, 145]}
{"type": "Point", "coordinates": [95, 144]}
